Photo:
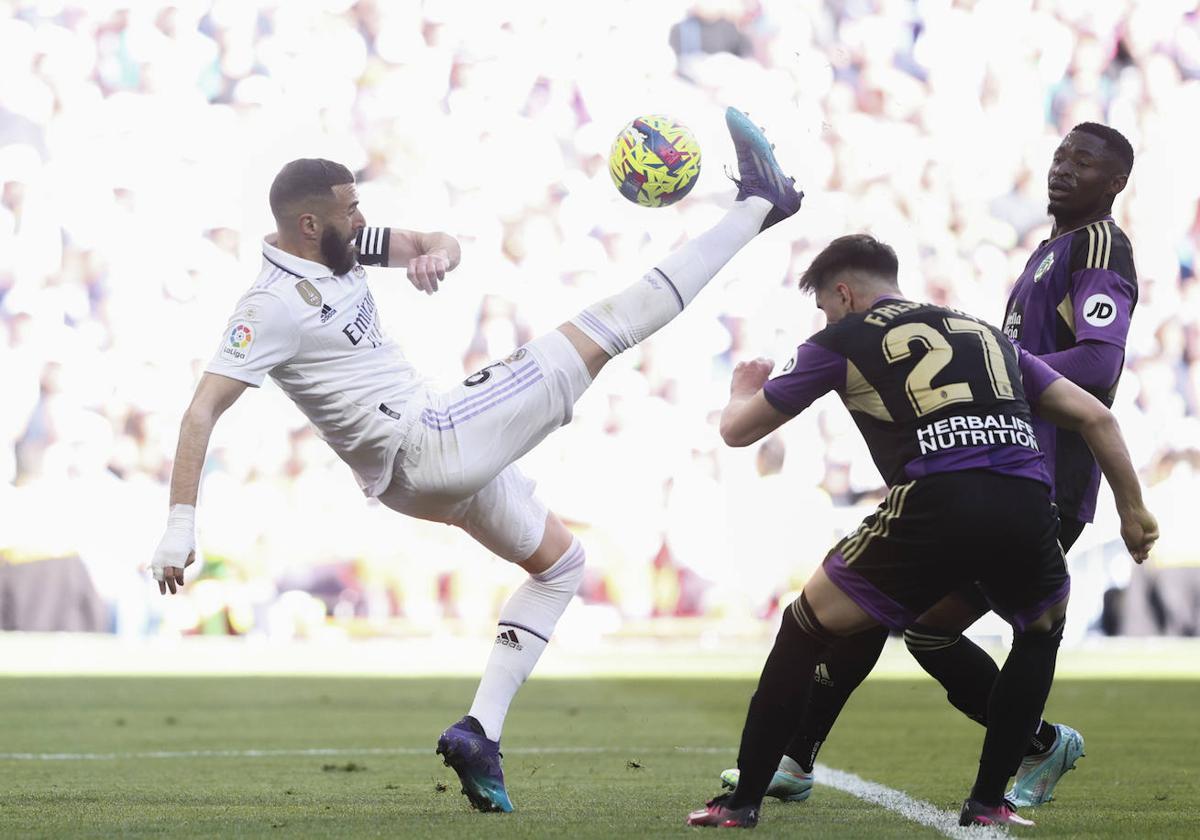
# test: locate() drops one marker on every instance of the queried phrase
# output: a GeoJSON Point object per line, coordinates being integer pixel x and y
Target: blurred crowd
{"type": "Point", "coordinates": [137, 143]}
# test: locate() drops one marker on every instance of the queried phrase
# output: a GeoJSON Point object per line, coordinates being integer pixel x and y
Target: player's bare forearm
{"type": "Point", "coordinates": [427, 257]}
{"type": "Point", "coordinates": [213, 395]}
{"type": "Point", "coordinates": [406, 245]}
{"type": "Point", "coordinates": [1069, 406]}
{"type": "Point", "coordinates": [1104, 438]}
{"type": "Point", "coordinates": [190, 452]}
{"type": "Point", "coordinates": [748, 417]}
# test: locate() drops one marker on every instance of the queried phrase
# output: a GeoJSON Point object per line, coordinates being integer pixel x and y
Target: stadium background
{"type": "Point", "coordinates": [137, 142]}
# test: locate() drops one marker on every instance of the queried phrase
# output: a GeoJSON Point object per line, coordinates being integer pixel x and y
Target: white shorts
{"type": "Point", "coordinates": [457, 464]}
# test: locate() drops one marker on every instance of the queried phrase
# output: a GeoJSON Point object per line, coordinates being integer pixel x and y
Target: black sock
{"type": "Point", "coordinates": [779, 701]}
{"type": "Point", "coordinates": [961, 666]}
{"type": "Point", "coordinates": [1042, 740]}
{"type": "Point", "coordinates": [842, 669]}
{"type": "Point", "coordinates": [1014, 710]}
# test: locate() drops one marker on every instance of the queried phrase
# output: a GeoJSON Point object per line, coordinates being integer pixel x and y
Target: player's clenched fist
{"type": "Point", "coordinates": [1139, 530]}
{"type": "Point", "coordinates": [425, 271]}
{"type": "Point", "coordinates": [749, 376]}
{"type": "Point", "coordinates": [177, 548]}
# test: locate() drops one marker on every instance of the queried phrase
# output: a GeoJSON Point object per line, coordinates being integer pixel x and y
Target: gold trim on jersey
{"type": "Point", "coordinates": [862, 396]}
{"type": "Point", "coordinates": [1099, 245]}
{"type": "Point", "coordinates": [891, 508]}
{"type": "Point", "coordinates": [1066, 310]}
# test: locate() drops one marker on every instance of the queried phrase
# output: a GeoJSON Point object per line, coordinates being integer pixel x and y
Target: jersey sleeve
{"type": "Point", "coordinates": [1103, 284]}
{"type": "Point", "coordinates": [372, 245]}
{"type": "Point", "coordinates": [1036, 375]}
{"type": "Point", "coordinates": [811, 373]}
{"type": "Point", "coordinates": [260, 335]}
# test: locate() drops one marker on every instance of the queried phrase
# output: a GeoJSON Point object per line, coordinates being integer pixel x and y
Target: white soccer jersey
{"type": "Point", "coordinates": [319, 337]}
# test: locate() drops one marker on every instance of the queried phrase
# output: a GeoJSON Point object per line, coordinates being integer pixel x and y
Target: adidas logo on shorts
{"type": "Point", "coordinates": [509, 638]}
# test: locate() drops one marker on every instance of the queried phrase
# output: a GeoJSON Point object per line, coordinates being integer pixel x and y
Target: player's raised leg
{"type": "Point", "coordinates": [500, 413]}
{"type": "Point", "coordinates": [765, 196]}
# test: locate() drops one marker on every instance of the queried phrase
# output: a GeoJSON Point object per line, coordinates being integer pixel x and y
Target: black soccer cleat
{"type": "Point", "coordinates": [758, 171]}
{"type": "Point", "coordinates": [716, 813]}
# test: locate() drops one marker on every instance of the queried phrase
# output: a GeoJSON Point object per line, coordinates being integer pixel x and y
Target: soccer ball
{"type": "Point", "coordinates": [654, 161]}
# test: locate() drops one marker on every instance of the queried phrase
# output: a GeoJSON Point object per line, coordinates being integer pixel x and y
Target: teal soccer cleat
{"type": "Point", "coordinates": [1038, 774]}
{"type": "Point", "coordinates": [785, 786]}
{"type": "Point", "coordinates": [476, 760]}
{"type": "Point", "coordinates": [758, 172]}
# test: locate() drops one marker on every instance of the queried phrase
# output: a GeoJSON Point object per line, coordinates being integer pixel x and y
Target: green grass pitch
{"type": "Point", "coordinates": [1140, 777]}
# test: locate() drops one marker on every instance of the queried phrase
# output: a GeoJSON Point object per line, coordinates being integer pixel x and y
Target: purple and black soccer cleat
{"type": "Point", "coordinates": [466, 748]}
{"type": "Point", "coordinates": [758, 171]}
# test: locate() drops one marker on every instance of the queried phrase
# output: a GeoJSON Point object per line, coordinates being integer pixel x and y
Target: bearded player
{"type": "Point", "coordinates": [310, 322]}
{"type": "Point", "coordinates": [1071, 307]}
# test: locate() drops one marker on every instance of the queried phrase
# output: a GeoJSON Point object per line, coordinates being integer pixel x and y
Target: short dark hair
{"type": "Point", "coordinates": [1114, 142]}
{"type": "Point", "coordinates": [857, 251]}
{"type": "Point", "coordinates": [306, 178]}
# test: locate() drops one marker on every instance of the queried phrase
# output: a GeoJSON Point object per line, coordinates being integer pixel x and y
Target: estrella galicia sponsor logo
{"type": "Point", "coordinates": [1012, 325]}
{"type": "Point", "coordinates": [327, 312]}
{"type": "Point", "coordinates": [308, 293]}
{"type": "Point", "coordinates": [508, 638]}
{"type": "Point", "coordinates": [236, 348]}
{"type": "Point", "coordinates": [1044, 267]}
{"type": "Point", "coordinates": [1099, 310]}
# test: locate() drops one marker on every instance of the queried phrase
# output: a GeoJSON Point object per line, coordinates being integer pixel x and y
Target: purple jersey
{"type": "Point", "coordinates": [932, 390]}
{"type": "Point", "coordinates": [1080, 286]}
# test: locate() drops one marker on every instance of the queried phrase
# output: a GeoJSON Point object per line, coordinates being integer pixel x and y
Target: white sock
{"type": "Point", "coordinates": [621, 321]}
{"type": "Point", "coordinates": [526, 622]}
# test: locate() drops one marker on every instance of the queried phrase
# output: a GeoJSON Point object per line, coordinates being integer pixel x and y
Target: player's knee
{"type": "Point", "coordinates": [566, 574]}
{"type": "Point", "coordinates": [1048, 623]}
{"type": "Point", "coordinates": [921, 638]}
{"type": "Point", "coordinates": [801, 618]}
{"type": "Point", "coordinates": [1043, 632]}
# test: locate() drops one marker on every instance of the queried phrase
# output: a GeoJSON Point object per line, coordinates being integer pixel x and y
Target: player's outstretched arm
{"type": "Point", "coordinates": [177, 549]}
{"type": "Point", "coordinates": [748, 417]}
{"type": "Point", "coordinates": [427, 256]}
{"type": "Point", "coordinates": [1067, 405]}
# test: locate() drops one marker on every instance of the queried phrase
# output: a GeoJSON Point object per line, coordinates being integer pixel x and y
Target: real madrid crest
{"type": "Point", "coordinates": [1044, 267]}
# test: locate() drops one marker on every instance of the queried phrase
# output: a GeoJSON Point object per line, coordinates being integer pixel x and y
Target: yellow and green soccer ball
{"type": "Point", "coordinates": [654, 161]}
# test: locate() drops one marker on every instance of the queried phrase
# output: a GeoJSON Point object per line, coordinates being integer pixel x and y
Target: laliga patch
{"type": "Point", "coordinates": [308, 292]}
{"type": "Point", "coordinates": [1099, 310]}
{"type": "Point", "coordinates": [236, 348]}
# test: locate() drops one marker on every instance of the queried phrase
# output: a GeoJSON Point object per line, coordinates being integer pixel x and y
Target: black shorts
{"type": "Point", "coordinates": [939, 534]}
{"type": "Point", "coordinates": [1069, 530]}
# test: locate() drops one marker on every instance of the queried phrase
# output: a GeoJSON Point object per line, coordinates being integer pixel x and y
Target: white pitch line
{"type": "Point", "coordinates": [901, 803]}
{"type": "Point", "coordinates": [914, 810]}
{"type": "Point", "coordinates": [114, 756]}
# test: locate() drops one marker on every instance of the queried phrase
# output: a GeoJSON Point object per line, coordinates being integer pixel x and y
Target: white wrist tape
{"type": "Point", "coordinates": [178, 542]}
